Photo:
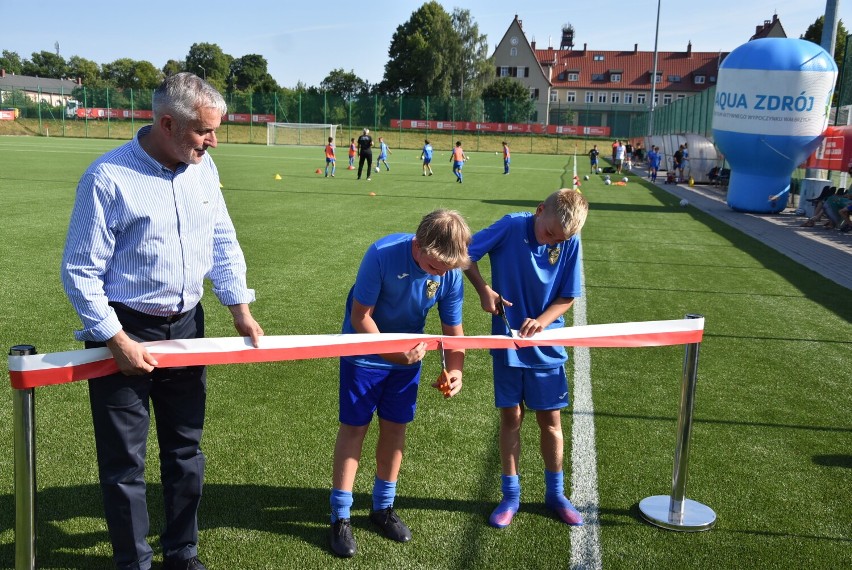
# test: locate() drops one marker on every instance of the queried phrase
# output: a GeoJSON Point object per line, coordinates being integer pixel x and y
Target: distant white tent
{"type": "Point", "coordinates": [702, 157]}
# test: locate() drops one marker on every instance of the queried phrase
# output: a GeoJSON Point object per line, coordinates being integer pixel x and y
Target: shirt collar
{"type": "Point", "coordinates": [146, 158]}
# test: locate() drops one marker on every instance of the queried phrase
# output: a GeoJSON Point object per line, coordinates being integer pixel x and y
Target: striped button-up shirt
{"type": "Point", "coordinates": [146, 237]}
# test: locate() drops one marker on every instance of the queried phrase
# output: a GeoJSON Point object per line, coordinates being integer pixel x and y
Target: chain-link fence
{"type": "Point", "coordinates": [118, 113]}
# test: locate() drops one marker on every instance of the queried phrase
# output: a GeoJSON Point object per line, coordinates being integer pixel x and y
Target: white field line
{"type": "Point", "coordinates": [585, 540]}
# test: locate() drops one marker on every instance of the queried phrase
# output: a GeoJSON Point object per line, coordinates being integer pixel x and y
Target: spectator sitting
{"type": "Point", "coordinates": [713, 175]}
{"type": "Point", "coordinates": [846, 225]}
{"type": "Point", "coordinates": [833, 206]}
{"type": "Point", "coordinates": [819, 207]}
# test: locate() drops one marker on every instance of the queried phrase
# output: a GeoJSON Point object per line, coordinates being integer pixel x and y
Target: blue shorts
{"type": "Point", "coordinates": [427, 161]}
{"type": "Point", "coordinates": [391, 391]}
{"type": "Point", "coordinates": [329, 160]}
{"type": "Point", "coordinates": [538, 388]}
{"type": "Point", "coordinates": [457, 164]}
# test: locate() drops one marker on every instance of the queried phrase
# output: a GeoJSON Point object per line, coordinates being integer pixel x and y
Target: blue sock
{"type": "Point", "coordinates": [341, 502]}
{"type": "Point", "coordinates": [555, 499]}
{"type": "Point", "coordinates": [383, 494]}
{"type": "Point", "coordinates": [511, 486]}
{"type": "Point", "coordinates": [554, 484]}
{"type": "Point", "coordinates": [502, 516]}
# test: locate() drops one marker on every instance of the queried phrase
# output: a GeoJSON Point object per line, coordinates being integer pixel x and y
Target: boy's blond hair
{"type": "Point", "coordinates": [570, 207]}
{"type": "Point", "coordinates": [444, 235]}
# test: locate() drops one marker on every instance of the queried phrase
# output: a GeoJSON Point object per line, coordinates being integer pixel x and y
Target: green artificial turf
{"type": "Point", "coordinates": [771, 438]}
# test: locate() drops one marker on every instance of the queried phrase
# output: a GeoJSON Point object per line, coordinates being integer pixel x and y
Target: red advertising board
{"type": "Point", "coordinates": [835, 151]}
{"type": "Point", "coordinates": [248, 118]}
{"type": "Point", "coordinates": [7, 115]}
{"type": "Point", "coordinates": [102, 113]}
{"type": "Point", "coordinates": [511, 128]}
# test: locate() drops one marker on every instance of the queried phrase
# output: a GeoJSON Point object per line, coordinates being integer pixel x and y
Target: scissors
{"type": "Point", "coordinates": [501, 310]}
{"type": "Point", "coordinates": [443, 382]}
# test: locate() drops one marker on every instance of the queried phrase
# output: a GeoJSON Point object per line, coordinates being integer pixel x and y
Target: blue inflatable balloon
{"type": "Point", "coordinates": [773, 97]}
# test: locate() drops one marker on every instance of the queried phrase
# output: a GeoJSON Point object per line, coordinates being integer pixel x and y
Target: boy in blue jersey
{"type": "Point", "coordinates": [536, 270]}
{"type": "Point", "coordinates": [426, 157]}
{"type": "Point", "coordinates": [654, 160]}
{"type": "Point", "coordinates": [401, 277]}
{"type": "Point", "coordinates": [384, 151]}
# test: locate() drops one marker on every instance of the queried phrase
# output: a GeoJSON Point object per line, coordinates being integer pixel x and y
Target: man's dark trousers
{"type": "Point", "coordinates": [121, 418]}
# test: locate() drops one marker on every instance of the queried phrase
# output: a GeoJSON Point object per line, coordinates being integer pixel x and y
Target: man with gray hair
{"type": "Point", "coordinates": [149, 224]}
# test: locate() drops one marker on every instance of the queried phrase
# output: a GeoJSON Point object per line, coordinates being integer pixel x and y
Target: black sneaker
{"type": "Point", "coordinates": [186, 564]}
{"type": "Point", "coordinates": [342, 542]}
{"type": "Point", "coordinates": [391, 525]}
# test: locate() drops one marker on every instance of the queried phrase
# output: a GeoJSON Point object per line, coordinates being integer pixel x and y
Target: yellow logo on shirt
{"type": "Point", "coordinates": [553, 255]}
{"type": "Point", "coordinates": [431, 288]}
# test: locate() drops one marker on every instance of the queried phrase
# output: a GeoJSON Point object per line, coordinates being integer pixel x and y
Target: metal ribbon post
{"type": "Point", "coordinates": [23, 418]}
{"type": "Point", "coordinates": [675, 511]}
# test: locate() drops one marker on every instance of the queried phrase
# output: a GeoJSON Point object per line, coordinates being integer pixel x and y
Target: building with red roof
{"type": "Point", "coordinates": [594, 87]}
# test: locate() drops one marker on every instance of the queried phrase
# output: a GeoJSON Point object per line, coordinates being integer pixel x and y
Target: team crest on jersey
{"type": "Point", "coordinates": [431, 288]}
{"type": "Point", "coordinates": [553, 256]}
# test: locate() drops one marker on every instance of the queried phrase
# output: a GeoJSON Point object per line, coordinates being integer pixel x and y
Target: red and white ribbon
{"type": "Point", "coordinates": [36, 370]}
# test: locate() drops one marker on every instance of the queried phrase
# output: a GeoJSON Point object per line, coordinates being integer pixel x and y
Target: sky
{"type": "Point", "coordinates": [303, 42]}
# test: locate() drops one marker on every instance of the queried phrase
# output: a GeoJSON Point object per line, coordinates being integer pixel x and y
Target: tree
{"type": "Point", "coordinates": [173, 67]}
{"type": "Point", "coordinates": [45, 64]}
{"type": "Point", "coordinates": [343, 83]}
{"type": "Point", "coordinates": [814, 34]}
{"type": "Point", "coordinates": [126, 73]}
{"type": "Point", "coordinates": [87, 70]}
{"type": "Point", "coordinates": [248, 72]}
{"type": "Point", "coordinates": [11, 62]}
{"type": "Point", "coordinates": [422, 54]}
{"type": "Point", "coordinates": [506, 100]}
{"type": "Point", "coordinates": [210, 62]}
{"type": "Point", "coordinates": [474, 70]}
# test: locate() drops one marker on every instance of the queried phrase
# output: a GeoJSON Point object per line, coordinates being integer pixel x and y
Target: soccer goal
{"type": "Point", "coordinates": [301, 134]}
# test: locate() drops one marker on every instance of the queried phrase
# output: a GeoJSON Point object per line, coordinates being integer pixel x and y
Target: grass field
{"type": "Point", "coordinates": [772, 442]}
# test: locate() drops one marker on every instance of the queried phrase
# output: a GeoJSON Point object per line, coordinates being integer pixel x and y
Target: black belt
{"type": "Point", "coordinates": [157, 318]}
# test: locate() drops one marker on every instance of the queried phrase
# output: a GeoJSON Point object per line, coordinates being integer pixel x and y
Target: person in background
{"type": "Point", "coordinates": [677, 159]}
{"type": "Point", "coordinates": [329, 157]}
{"type": "Point", "coordinates": [593, 159]}
{"type": "Point", "coordinates": [684, 160]}
{"type": "Point", "coordinates": [365, 153]}
{"type": "Point", "coordinates": [506, 157]}
{"type": "Point", "coordinates": [384, 151]}
{"type": "Point", "coordinates": [458, 157]}
{"type": "Point", "coordinates": [426, 157]}
{"type": "Point", "coordinates": [654, 160]}
{"type": "Point", "coordinates": [149, 224]}
{"type": "Point", "coordinates": [353, 151]}
{"type": "Point", "coordinates": [535, 277]}
{"type": "Point", "coordinates": [619, 158]}
{"type": "Point", "coordinates": [401, 277]}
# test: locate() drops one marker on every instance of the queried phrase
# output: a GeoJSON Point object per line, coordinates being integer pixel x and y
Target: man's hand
{"type": "Point", "coordinates": [245, 324]}
{"type": "Point", "coordinates": [132, 358]}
